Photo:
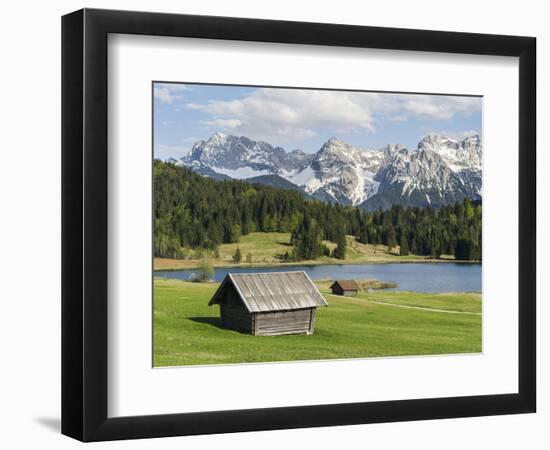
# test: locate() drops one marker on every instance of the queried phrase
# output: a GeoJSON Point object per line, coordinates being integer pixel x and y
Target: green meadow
{"type": "Point", "coordinates": [267, 249]}
{"type": "Point", "coordinates": [381, 323]}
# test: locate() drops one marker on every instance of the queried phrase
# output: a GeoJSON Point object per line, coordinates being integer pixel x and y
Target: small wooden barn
{"type": "Point", "coordinates": [344, 287]}
{"type": "Point", "coordinates": [268, 304]}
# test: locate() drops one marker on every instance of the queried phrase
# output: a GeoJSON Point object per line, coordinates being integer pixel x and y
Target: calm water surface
{"type": "Point", "coordinates": [419, 277]}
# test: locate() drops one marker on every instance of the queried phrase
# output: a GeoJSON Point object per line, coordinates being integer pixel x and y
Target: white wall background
{"type": "Point", "coordinates": [30, 222]}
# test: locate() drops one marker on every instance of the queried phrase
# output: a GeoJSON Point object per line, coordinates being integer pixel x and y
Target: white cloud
{"type": "Point", "coordinates": [224, 123]}
{"type": "Point", "coordinates": [292, 114]}
{"type": "Point", "coordinates": [439, 106]}
{"type": "Point", "coordinates": [169, 93]}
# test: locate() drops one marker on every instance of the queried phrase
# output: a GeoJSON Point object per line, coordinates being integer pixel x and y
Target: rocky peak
{"type": "Point", "coordinates": [335, 147]}
{"type": "Point", "coordinates": [390, 150]}
{"type": "Point", "coordinates": [338, 172]}
{"type": "Point", "coordinates": [458, 155]}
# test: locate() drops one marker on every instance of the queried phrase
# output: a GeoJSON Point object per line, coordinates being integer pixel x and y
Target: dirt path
{"type": "Point", "coordinates": [422, 308]}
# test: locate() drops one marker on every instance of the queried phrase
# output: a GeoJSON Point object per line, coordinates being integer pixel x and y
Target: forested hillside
{"type": "Point", "coordinates": [194, 212]}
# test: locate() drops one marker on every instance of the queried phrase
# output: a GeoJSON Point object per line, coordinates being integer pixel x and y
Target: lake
{"type": "Point", "coordinates": [418, 277]}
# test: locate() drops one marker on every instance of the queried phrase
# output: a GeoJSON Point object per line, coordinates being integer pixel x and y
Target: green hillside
{"type": "Point", "coordinates": [268, 249]}
{"type": "Point", "coordinates": [194, 214]}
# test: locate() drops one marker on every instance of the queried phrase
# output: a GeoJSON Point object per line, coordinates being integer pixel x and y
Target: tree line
{"type": "Point", "coordinates": [194, 214]}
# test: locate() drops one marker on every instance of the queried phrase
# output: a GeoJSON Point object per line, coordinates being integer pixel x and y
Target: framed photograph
{"type": "Point", "coordinates": [273, 224]}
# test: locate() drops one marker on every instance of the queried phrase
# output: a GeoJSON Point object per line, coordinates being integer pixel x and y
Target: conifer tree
{"type": "Point", "coordinates": [235, 233]}
{"type": "Point", "coordinates": [340, 250]}
{"type": "Point", "coordinates": [306, 239]}
{"type": "Point", "coordinates": [193, 215]}
{"type": "Point", "coordinates": [237, 257]}
{"type": "Point", "coordinates": [390, 237]}
{"type": "Point", "coordinates": [464, 249]}
{"type": "Point", "coordinates": [404, 244]}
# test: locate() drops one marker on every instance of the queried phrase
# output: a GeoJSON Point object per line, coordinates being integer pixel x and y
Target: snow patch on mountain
{"type": "Point", "coordinates": [441, 169]}
{"type": "Point", "coordinates": [342, 172]}
{"type": "Point", "coordinates": [459, 155]}
{"type": "Point", "coordinates": [241, 173]}
{"type": "Point", "coordinates": [305, 178]}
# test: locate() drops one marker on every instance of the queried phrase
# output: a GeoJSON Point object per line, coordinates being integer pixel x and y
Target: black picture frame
{"type": "Point", "coordinates": [84, 224]}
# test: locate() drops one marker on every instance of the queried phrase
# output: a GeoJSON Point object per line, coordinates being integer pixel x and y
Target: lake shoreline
{"type": "Point", "coordinates": [320, 283]}
{"type": "Point", "coordinates": [312, 264]}
{"type": "Point", "coordinates": [427, 277]}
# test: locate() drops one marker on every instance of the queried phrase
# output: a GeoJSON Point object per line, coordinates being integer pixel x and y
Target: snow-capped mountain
{"type": "Point", "coordinates": [240, 157]}
{"type": "Point", "coordinates": [339, 172]}
{"type": "Point", "coordinates": [437, 173]}
{"type": "Point", "coordinates": [440, 171]}
{"type": "Point", "coordinates": [459, 155]}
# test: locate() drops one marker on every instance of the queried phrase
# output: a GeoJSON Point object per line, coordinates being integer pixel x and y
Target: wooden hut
{"type": "Point", "coordinates": [268, 303]}
{"type": "Point", "coordinates": [344, 287]}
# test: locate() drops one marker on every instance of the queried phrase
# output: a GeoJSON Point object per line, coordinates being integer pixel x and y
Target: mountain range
{"type": "Point", "coordinates": [440, 171]}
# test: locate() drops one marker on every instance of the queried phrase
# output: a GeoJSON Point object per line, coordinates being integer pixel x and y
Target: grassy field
{"type": "Point", "coordinates": [267, 249]}
{"type": "Point", "coordinates": [187, 331]}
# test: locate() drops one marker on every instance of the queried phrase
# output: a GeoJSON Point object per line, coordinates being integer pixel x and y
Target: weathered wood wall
{"type": "Point", "coordinates": [313, 312]}
{"type": "Point", "coordinates": [236, 317]}
{"type": "Point", "coordinates": [234, 314]}
{"type": "Point", "coordinates": [284, 322]}
{"type": "Point", "coordinates": [337, 290]}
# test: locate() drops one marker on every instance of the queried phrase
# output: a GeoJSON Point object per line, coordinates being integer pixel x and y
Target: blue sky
{"type": "Point", "coordinates": [304, 118]}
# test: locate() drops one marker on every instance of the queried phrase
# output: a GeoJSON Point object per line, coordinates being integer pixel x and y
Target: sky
{"type": "Point", "coordinates": [305, 118]}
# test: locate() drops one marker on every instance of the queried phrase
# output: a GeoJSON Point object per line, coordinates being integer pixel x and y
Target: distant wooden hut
{"type": "Point", "coordinates": [344, 287]}
{"type": "Point", "coordinates": [268, 303]}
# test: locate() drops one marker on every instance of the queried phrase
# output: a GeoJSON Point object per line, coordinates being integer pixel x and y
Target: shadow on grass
{"type": "Point", "coordinates": [215, 322]}
{"type": "Point", "coordinates": [286, 244]}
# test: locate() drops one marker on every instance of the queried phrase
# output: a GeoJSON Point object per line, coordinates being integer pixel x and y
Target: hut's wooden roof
{"type": "Point", "coordinates": [272, 291]}
{"type": "Point", "coordinates": [346, 285]}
